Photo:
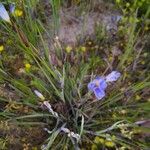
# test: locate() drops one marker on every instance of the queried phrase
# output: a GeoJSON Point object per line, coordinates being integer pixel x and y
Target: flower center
{"type": "Point", "coordinates": [97, 83]}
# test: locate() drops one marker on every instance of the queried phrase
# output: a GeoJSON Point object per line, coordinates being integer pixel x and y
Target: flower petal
{"type": "Point", "coordinates": [38, 94]}
{"type": "Point", "coordinates": [3, 13]}
{"type": "Point", "coordinates": [102, 83]}
{"type": "Point", "coordinates": [91, 86]}
{"type": "Point", "coordinates": [113, 76]}
{"type": "Point", "coordinates": [99, 93]}
{"type": "Point", "coordinates": [12, 8]}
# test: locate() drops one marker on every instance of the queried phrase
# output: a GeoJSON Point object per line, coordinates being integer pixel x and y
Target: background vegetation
{"type": "Point", "coordinates": [37, 66]}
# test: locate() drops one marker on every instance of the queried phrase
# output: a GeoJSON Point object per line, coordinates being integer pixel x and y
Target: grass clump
{"type": "Point", "coordinates": [70, 96]}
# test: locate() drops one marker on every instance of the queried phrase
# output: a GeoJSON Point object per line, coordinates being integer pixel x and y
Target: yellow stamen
{"type": "Point", "coordinates": [97, 83]}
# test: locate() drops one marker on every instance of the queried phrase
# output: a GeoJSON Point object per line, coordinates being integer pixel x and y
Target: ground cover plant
{"type": "Point", "coordinates": [74, 74]}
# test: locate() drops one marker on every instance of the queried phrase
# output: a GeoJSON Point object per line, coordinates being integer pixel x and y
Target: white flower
{"type": "Point", "coordinates": [66, 130]}
{"type": "Point", "coordinates": [70, 133]}
{"type": "Point", "coordinates": [48, 105]}
{"type": "Point", "coordinates": [4, 14]}
{"type": "Point", "coordinates": [75, 135]}
{"type": "Point", "coordinates": [37, 93]}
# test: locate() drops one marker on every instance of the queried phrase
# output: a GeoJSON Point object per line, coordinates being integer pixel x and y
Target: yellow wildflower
{"type": "Point", "coordinates": [146, 28]}
{"type": "Point", "coordinates": [77, 1]}
{"type": "Point", "coordinates": [27, 66]}
{"type": "Point", "coordinates": [94, 147]}
{"type": "Point", "coordinates": [101, 140]}
{"type": "Point", "coordinates": [113, 137]}
{"type": "Point", "coordinates": [132, 20]}
{"type": "Point", "coordinates": [68, 49]}
{"type": "Point", "coordinates": [18, 12]}
{"type": "Point", "coordinates": [137, 131]}
{"type": "Point", "coordinates": [114, 115]}
{"type": "Point", "coordinates": [127, 4]}
{"type": "Point", "coordinates": [145, 54]}
{"type": "Point", "coordinates": [1, 48]}
{"type": "Point", "coordinates": [34, 148]}
{"type": "Point", "coordinates": [98, 140]}
{"type": "Point", "coordinates": [143, 62]}
{"type": "Point", "coordinates": [137, 97]}
{"type": "Point", "coordinates": [110, 58]}
{"type": "Point", "coordinates": [83, 48]}
{"type": "Point", "coordinates": [109, 143]}
{"type": "Point", "coordinates": [118, 1]}
{"type": "Point", "coordinates": [120, 28]}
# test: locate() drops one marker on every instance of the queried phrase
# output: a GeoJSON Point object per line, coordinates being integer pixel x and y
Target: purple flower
{"type": "Point", "coordinates": [99, 93]}
{"type": "Point", "coordinates": [12, 8]}
{"type": "Point", "coordinates": [113, 76]}
{"type": "Point", "coordinates": [4, 14]}
{"type": "Point", "coordinates": [99, 84]}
